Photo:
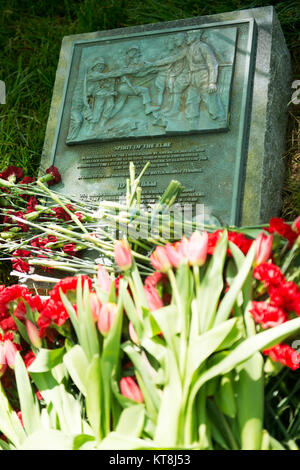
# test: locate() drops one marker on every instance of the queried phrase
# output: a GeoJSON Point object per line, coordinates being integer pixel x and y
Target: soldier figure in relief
{"type": "Point", "coordinates": [203, 68]}
{"type": "Point", "coordinates": [138, 69]}
{"type": "Point", "coordinates": [99, 94]}
{"type": "Point", "coordinates": [173, 75]}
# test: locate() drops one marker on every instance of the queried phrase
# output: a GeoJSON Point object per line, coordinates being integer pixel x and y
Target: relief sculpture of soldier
{"type": "Point", "coordinates": [138, 68]}
{"type": "Point", "coordinates": [93, 99]}
{"type": "Point", "coordinates": [193, 72]}
{"type": "Point", "coordinates": [173, 77]}
{"type": "Point", "coordinates": [203, 67]}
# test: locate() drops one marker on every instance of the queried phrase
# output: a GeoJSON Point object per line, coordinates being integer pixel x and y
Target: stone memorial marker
{"type": "Point", "coordinates": [203, 99]}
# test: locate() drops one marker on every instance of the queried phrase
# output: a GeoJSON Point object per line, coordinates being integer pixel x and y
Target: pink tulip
{"type": "Point", "coordinates": [33, 334]}
{"type": "Point", "coordinates": [123, 255]}
{"type": "Point", "coordinates": [3, 365]}
{"type": "Point", "coordinates": [10, 351]}
{"type": "Point", "coordinates": [96, 305]}
{"type": "Point", "coordinates": [263, 248]}
{"type": "Point", "coordinates": [174, 253]}
{"type": "Point", "coordinates": [106, 317]}
{"type": "Point", "coordinates": [153, 298]}
{"type": "Point", "coordinates": [160, 260]}
{"type": "Point", "coordinates": [197, 248]}
{"type": "Point", "coordinates": [104, 280]}
{"type": "Point", "coordinates": [131, 390]}
{"type": "Point", "coordinates": [132, 334]}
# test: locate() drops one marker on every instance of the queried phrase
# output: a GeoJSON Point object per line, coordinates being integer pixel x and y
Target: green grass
{"type": "Point", "coordinates": [282, 402]}
{"type": "Point", "coordinates": [30, 40]}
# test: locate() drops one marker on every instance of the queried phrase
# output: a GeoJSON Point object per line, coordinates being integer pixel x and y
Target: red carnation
{"type": "Point", "coordinates": [7, 336]}
{"type": "Point", "coordinates": [32, 202]}
{"type": "Point", "coordinates": [21, 253]}
{"type": "Point", "coordinates": [43, 323]}
{"type": "Point", "coordinates": [21, 266]}
{"type": "Point", "coordinates": [268, 273]}
{"type": "Point", "coordinates": [12, 173]}
{"type": "Point", "coordinates": [11, 294]}
{"type": "Point", "coordinates": [8, 324]}
{"type": "Point", "coordinates": [27, 180]}
{"type": "Point", "coordinates": [239, 239]}
{"type": "Point", "coordinates": [70, 249]}
{"type": "Point", "coordinates": [34, 302]}
{"type": "Point", "coordinates": [50, 239]}
{"type": "Point", "coordinates": [79, 215]}
{"type": "Point", "coordinates": [17, 296]}
{"type": "Point", "coordinates": [9, 220]}
{"type": "Point", "coordinates": [286, 295]}
{"type": "Point", "coordinates": [117, 283]}
{"type": "Point", "coordinates": [284, 354]}
{"type": "Point", "coordinates": [23, 225]}
{"type": "Point", "coordinates": [54, 310]}
{"type": "Point", "coordinates": [19, 414]}
{"type": "Point", "coordinates": [52, 170]}
{"type": "Point", "coordinates": [60, 213]}
{"type": "Point", "coordinates": [279, 226]}
{"type": "Point", "coordinates": [242, 242]}
{"type": "Point", "coordinates": [28, 359]}
{"type": "Point", "coordinates": [42, 242]}
{"type": "Point", "coordinates": [68, 284]}
{"type": "Point", "coordinates": [267, 315]}
{"type": "Point", "coordinates": [213, 239]}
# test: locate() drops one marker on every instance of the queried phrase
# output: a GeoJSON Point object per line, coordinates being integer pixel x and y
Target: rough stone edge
{"type": "Point", "coordinates": [265, 167]}
{"type": "Point", "coordinates": [277, 125]}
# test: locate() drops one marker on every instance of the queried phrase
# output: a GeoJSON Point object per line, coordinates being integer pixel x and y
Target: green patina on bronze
{"type": "Point", "coordinates": [177, 94]}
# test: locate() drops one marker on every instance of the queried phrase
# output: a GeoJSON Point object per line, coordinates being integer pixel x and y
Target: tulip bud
{"type": "Point", "coordinates": [263, 248]}
{"type": "Point", "coordinates": [104, 280]}
{"type": "Point", "coordinates": [106, 317]}
{"type": "Point", "coordinates": [10, 351]}
{"type": "Point", "coordinates": [3, 365]}
{"type": "Point", "coordinates": [153, 298]}
{"type": "Point", "coordinates": [132, 334]}
{"type": "Point", "coordinates": [160, 260]}
{"type": "Point", "coordinates": [197, 248]}
{"type": "Point", "coordinates": [95, 304]}
{"type": "Point", "coordinates": [131, 390]}
{"type": "Point", "coordinates": [33, 334]}
{"type": "Point", "coordinates": [123, 255]}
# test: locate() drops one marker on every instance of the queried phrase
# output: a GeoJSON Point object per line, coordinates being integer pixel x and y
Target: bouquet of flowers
{"type": "Point", "coordinates": [172, 360]}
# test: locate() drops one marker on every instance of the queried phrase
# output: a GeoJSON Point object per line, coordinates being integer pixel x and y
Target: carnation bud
{"type": "Point", "coordinates": [131, 390]}
{"type": "Point", "coordinates": [123, 255]}
{"type": "Point", "coordinates": [106, 317]}
{"type": "Point", "coordinates": [33, 334]}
